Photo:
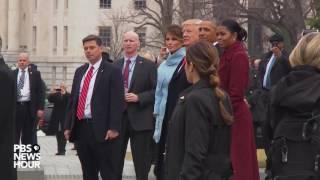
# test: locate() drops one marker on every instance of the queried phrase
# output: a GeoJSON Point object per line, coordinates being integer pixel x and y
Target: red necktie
{"type": "Point", "coordinates": [126, 74]}
{"type": "Point", "coordinates": [83, 94]}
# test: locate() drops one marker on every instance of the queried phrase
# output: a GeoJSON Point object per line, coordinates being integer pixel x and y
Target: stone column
{"type": "Point", "coordinates": [3, 23]}
{"type": "Point", "coordinates": [13, 25]}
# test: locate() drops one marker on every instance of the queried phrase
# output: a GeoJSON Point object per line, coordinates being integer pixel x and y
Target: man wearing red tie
{"type": "Point", "coordinates": [95, 112]}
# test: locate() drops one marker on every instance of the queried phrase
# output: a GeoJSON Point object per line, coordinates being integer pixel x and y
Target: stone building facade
{"type": "Point", "coordinates": [51, 31]}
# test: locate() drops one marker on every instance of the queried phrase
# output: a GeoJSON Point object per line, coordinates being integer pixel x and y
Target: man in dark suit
{"type": "Point", "coordinates": [59, 96]}
{"type": "Point", "coordinates": [275, 63]}
{"type": "Point", "coordinates": [139, 77]}
{"type": "Point", "coordinates": [7, 121]}
{"type": "Point", "coordinates": [30, 100]}
{"type": "Point", "coordinates": [95, 110]}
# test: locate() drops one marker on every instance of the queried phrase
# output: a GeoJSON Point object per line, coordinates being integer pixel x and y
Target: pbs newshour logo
{"type": "Point", "coordinates": [26, 156]}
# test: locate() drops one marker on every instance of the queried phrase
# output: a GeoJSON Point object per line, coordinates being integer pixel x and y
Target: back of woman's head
{"type": "Point", "coordinates": [234, 27]}
{"type": "Point", "coordinates": [307, 51]}
{"type": "Point", "coordinates": [205, 59]}
{"type": "Point", "coordinates": [175, 30]}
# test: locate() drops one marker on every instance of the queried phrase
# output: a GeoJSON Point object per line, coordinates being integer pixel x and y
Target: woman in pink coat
{"type": "Point", "coordinates": [234, 75]}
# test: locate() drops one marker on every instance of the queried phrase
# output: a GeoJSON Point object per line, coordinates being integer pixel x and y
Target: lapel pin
{"type": "Point", "coordinates": [101, 70]}
{"type": "Point", "coordinates": [140, 62]}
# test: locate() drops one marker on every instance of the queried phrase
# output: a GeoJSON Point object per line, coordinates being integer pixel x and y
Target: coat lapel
{"type": "Point", "coordinates": [177, 72]}
{"type": "Point", "coordinates": [30, 78]}
{"type": "Point", "coordinates": [79, 78]}
{"type": "Point", "coordinates": [98, 78]}
{"type": "Point", "coordinates": [137, 68]}
{"type": "Point", "coordinates": [16, 72]}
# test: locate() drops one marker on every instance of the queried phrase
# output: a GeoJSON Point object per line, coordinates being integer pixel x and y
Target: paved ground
{"type": "Point", "coordinates": [66, 167]}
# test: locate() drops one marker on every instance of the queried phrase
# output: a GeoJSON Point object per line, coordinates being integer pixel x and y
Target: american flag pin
{"type": "Point", "coordinates": [140, 62]}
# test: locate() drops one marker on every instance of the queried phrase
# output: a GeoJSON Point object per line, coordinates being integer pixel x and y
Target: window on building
{"type": "Point", "coordinates": [105, 35]}
{"type": "Point", "coordinates": [55, 39]}
{"type": "Point", "coordinates": [64, 73]}
{"type": "Point", "coordinates": [56, 4]}
{"type": "Point", "coordinates": [105, 4]}
{"type": "Point", "coordinates": [142, 35]}
{"type": "Point", "coordinates": [54, 75]}
{"type": "Point", "coordinates": [35, 4]}
{"type": "Point", "coordinates": [140, 4]}
{"type": "Point", "coordinates": [65, 38]}
{"type": "Point", "coordinates": [66, 4]}
{"type": "Point", "coordinates": [34, 38]}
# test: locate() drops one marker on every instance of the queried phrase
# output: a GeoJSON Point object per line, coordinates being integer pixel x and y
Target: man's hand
{"type": "Point", "coordinates": [111, 134]}
{"type": "Point", "coordinates": [163, 52]}
{"type": "Point", "coordinates": [131, 97]}
{"type": "Point", "coordinates": [40, 114]}
{"type": "Point", "coordinates": [67, 134]}
{"type": "Point", "coordinates": [276, 51]}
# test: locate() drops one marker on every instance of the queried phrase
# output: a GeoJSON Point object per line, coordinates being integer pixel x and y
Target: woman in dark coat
{"type": "Point", "coordinates": [198, 132]}
{"type": "Point", "coordinates": [59, 97]}
{"type": "Point", "coordinates": [234, 75]}
{"type": "Point", "coordinates": [293, 125]}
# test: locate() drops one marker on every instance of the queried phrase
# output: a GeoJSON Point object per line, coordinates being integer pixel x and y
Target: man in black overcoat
{"type": "Point", "coordinates": [7, 122]}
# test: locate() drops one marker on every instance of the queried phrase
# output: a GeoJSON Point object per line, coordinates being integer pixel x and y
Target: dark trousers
{"type": "Point", "coordinates": [140, 142]}
{"type": "Point", "coordinates": [61, 142]}
{"type": "Point", "coordinates": [95, 157]}
{"type": "Point", "coordinates": [159, 166]}
{"type": "Point", "coordinates": [24, 124]}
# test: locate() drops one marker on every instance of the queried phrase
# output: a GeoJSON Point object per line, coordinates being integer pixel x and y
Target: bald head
{"type": "Point", "coordinates": [207, 31]}
{"type": "Point", "coordinates": [190, 29]}
{"type": "Point", "coordinates": [23, 60]}
{"type": "Point", "coordinates": [131, 43]}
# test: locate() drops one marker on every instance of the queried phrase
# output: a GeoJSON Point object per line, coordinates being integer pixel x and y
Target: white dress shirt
{"type": "Point", "coordinates": [25, 91]}
{"type": "Point", "coordinates": [87, 108]}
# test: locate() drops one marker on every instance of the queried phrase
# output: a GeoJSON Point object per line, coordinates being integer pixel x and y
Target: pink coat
{"type": "Point", "coordinates": [234, 76]}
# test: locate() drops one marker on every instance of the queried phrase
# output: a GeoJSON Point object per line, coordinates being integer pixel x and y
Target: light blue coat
{"type": "Point", "coordinates": [165, 72]}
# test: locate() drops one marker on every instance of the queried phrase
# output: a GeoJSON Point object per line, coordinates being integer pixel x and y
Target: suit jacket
{"type": "Point", "coordinates": [59, 110]}
{"type": "Point", "coordinates": [280, 68]}
{"type": "Point", "coordinates": [143, 83]}
{"type": "Point", "coordinates": [7, 122]}
{"type": "Point", "coordinates": [177, 84]}
{"type": "Point", "coordinates": [106, 103]}
{"type": "Point", "coordinates": [37, 92]}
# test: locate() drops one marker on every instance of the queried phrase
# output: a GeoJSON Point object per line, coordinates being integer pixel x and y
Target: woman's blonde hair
{"type": "Point", "coordinates": [307, 51]}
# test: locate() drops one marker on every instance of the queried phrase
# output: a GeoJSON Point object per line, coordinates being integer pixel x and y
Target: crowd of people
{"type": "Point", "coordinates": [200, 113]}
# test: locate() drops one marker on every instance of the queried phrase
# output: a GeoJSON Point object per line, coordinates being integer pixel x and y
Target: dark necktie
{"type": "Point", "coordinates": [21, 83]}
{"type": "Point", "coordinates": [83, 94]}
{"type": "Point", "coordinates": [126, 72]}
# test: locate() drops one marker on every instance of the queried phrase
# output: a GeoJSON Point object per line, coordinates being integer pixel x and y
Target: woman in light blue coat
{"type": "Point", "coordinates": [175, 54]}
